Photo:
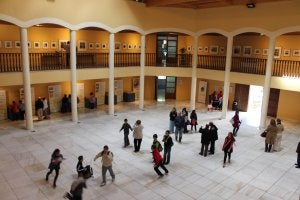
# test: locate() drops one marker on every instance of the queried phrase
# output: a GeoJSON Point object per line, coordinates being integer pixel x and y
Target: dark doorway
{"type": "Point", "coordinates": [171, 87]}
{"type": "Point", "coordinates": [273, 102]}
{"type": "Point", "coordinates": [242, 96]}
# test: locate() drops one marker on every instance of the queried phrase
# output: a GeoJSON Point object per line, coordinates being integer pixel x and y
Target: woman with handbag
{"type": "Point", "coordinates": [228, 147]}
{"type": "Point", "coordinates": [271, 135]}
{"type": "Point", "coordinates": [236, 123]}
{"type": "Point", "coordinates": [56, 159]}
{"type": "Point", "coordinates": [193, 118]}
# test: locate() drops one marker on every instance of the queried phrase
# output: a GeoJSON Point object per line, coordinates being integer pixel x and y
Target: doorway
{"type": "Point", "coordinates": [166, 49]}
{"type": "Point", "coordinates": [255, 98]}
{"type": "Point", "coordinates": [165, 88]}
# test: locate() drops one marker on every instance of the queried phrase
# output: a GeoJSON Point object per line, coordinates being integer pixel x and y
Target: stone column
{"type": "Point", "coordinates": [194, 74]}
{"type": "Point", "coordinates": [227, 76]}
{"type": "Point", "coordinates": [111, 86]}
{"type": "Point", "coordinates": [73, 75]}
{"type": "Point", "coordinates": [266, 90]}
{"type": "Point", "coordinates": [142, 72]}
{"type": "Point", "coordinates": [26, 79]}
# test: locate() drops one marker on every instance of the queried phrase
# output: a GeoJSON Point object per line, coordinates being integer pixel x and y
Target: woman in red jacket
{"type": "Point", "coordinates": [228, 147]}
{"type": "Point", "coordinates": [236, 123]}
{"type": "Point", "coordinates": [158, 161]}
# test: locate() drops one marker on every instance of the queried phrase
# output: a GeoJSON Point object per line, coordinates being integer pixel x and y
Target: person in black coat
{"type": "Point", "coordinates": [85, 172]}
{"type": "Point", "coordinates": [213, 136]}
{"type": "Point", "coordinates": [168, 143]}
{"type": "Point", "coordinates": [205, 139]}
{"type": "Point", "coordinates": [126, 127]}
{"type": "Point", "coordinates": [56, 159]}
{"type": "Point", "coordinates": [179, 126]}
{"type": "Point", "coordinates": [298, 157]}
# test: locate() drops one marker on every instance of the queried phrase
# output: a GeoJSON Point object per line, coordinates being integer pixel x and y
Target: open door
{"type": "Point", "coordinates": [242, 96]}
{"type": "Point", "coordinates": [273, 102]}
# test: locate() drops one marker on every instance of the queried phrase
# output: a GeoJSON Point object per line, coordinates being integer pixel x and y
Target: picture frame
{"type": "Point", "coordinates": [135, 46]}
{"type": "Point", "coordinates": [139, 46]}
{"type": "Point", "coordinates": [257, 51]}
{"type": "Point", "coordinates": [7, 44]}
{"type": "Point", "coordinates": [286, 52]}
{"type": "Point", "coordinates": [36, 45]}
{"type": "Point", "coordinates": [29, 44]}
{"type": "Point", "coordinates": [53, 45]}
{"type": "Point", "coordinates": [117, 46]}
{"type": "Point", "coordinates": [200, 49]}
{"type": "Point", "coordinates": [82, 45]}
{"type": "Point", "coordinates": [277, 52]}
{"type": "Point", "coordinates": [91, 45]}
{"type": "Point", "coordinates": [135, 84]}
{"type": "Point", "coordinates": [265, 52]}
{"type": "Point", "coordinates": [188, 48]}
{"type": "Point", "coordinates": [296, 52]}
{"type": "Point", "coordinates": [247, 51]}
{"type": "Point", "coordinates": [124, 46]}
{"type": "Point", "coordinates": [45, 45]}
{"type": "Point", "coordinates": [206, 49]}
{"type": "Point", "coordinates": [236, 50]}
{"type": "Point", "coordinates": [214, 49]}
{"type": "Point", "coordinates": [97, 45]}
{"type": "Point", "coordinates": [222, 50]}
{"type": "Point", "coordinates": [17, 44]}
{"type": "Point", "coordinates": [62, 44]}
{"type": "Point", "coordinates": [104, 46]}
{"type": "Point", "coordinates": [129, 46]}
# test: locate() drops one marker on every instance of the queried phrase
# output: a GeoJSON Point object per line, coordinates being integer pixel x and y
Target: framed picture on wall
{"type": "Point", "coordinates": [200, 49]}
{"type": "Point", "coordinates": [265, 52]}
{"type": "Point", "coordinates": [129, 46]}
{"type": "Point", "coordinates": [117, 46]}
{"type": "Point", "coordinates": [256, 51]}
{"type": "Point", "coordinates": [17, 44]}
{"type": "Point", "coordinates": [206, 49]}
{"type": "Point", "coordinates": [135, 46]}
{"type": "Point", "coordinates": [62, 44]}
{"type": "Point", "coordinates": [247, 51]}
{"type": "Point", "coordinates": [53, 45]}
{"type": "Point", "coordinates": [277, 52]}
{"type": "Point", "coordinates": [124, 46]}
{"type": "Point", "coordinates": [286, 52]}
{"type": "Point", "coordinates": [7, 44]}
{"type": "Point", "coordinates": [45, 45]}
{"type": "Point", "coordinates": [236, 51]}
{"type": "Point", "coordinates": [296, 52]}
{"type": "Point", "coordinates": [29, 44]}
{"type": "Point", "coordinates": [104, 46]}
{"type": "Point", "coordinates": [135, 84]}
{"type": "Point", "coordinates": [97, 45]}
{"type": "Point", "coordinates": [188, 48]}
{"type": "Point", "coordinates": [82, 45]}
{"type": "Point", "coordinates": [91, 45]}
{"type": "Point", "coordinates": [222, 50]}
{"type": "Point", "coordinates": [36, 45]}
{"type": "Point", "coordinates": [214, 49]}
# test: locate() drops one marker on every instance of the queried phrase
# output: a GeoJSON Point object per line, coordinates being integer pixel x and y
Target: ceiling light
{"type": "Point", "coordinates": [250, 5]}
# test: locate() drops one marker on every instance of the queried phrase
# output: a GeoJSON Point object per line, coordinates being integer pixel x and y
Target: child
{"type": "Point", "coordinates": [85, 172]}
{"type": "Point", "coordinates": [156, 143]}
{"type": "Point", "coordinates": [126, 127]}
{"type": "Point", "coordinates": [158, 161]}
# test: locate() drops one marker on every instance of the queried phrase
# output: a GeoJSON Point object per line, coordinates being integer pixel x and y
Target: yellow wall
{"type": "Point", "coordinates": [288, 106]}
{"type": "Point", "coordinates": [183, 88]}
{"type": "Point", "coordinates": [149, 88]}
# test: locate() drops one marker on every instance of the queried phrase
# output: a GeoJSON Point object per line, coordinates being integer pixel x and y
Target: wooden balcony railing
{"type": "Point", "coordinates": [12, 62]}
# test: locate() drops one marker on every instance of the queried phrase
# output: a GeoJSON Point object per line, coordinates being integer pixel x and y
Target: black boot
{"type": "Point", "coordinates": [180, 139]}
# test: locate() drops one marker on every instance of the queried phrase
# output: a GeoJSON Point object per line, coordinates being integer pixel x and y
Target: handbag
{"type": "Point", "coordinates": [231, 121]}
{"type": "Point", "coordinates": [263, 134]}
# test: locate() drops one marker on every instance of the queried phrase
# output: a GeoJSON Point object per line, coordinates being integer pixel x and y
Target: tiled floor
{"type": "Point", "coordinates": [253, 174]}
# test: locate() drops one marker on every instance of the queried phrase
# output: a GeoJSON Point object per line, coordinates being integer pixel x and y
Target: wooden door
{"type": "Point", "coordinates": [273, 102]}
{"type": "Point", "coordinates": [171, 87]}
{"type": "Point", "coordinates": [242, 96]}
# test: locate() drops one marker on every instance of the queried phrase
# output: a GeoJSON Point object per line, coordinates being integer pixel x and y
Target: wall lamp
{"type": "Point", "coordinates": [250, 5]}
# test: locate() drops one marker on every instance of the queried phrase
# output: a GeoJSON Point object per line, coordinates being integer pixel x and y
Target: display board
{"type": "Point", "coordinates": [202, 91]}
{"type": "Point", "coordinates": [54, 92]}
{"type": "Point", "coordinates": [100, 92]}
{"type": "Point", "coordinates": [80, 95]}
{"type": "Point", "coordinates": [136, 87]}
{"type": "Point", "coordinates": [119, 90]}
{"type": "Point", "coordinates": [3, 108]}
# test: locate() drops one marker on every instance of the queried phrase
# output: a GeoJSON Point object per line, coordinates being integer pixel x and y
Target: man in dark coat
{"type": "Point", "coordinates": [213, 136]}
{"type": "Point", "coordinates": [298, 157]}
{"type": "Point", "coordinates": [205, 139]}
{"type": "Point", "coordinates": [179, 126]}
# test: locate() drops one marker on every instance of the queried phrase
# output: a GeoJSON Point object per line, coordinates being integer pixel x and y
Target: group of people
{"type": "Point", "coordinates": [17, 110]}
{"type": "Point", "coordinates": [215, 101]}
{"type": "Point", "coordinates": [66, 103]}
{"type": "Point", "coordinates": [209, 134]}
{"type": "Point", "coordinates": [273, 135]}
{"type": "Point", "coordinates": [41, 107]}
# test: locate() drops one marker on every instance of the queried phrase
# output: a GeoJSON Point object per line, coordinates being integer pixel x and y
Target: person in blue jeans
{"type": "Point", "coordinates": [172, 116]}
{"type": "Point", "coordinates": [168, 143]}
{"type": "Point", "coordinates": [179, 126]}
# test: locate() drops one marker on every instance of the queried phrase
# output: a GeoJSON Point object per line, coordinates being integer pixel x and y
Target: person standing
{"type": "Point", "coordinates": [179, 126]}
{"type": "Point", "coordinates": [137, 135]}
{"type": "Point", "coordinates": [22, 110]}
{"type": "Point", "coordinates": [126, 127]}
{"type": "Point", "coordinates": [228, 147]}
{"type": "Point", "coordinates": [236, 123]}
{"type": "Point", "coordinates": [298, 156]}
{"type": "Point", "coordinates": [92, 101]}
{"type": "Point", "coordinates": [158, 161]}
{"type": "Point", "coordinates": [55, 161]}
{"type": "Point", "coordinates": [107, 158]}
{"type": "Point", "coordinates": [168, 143]}
{"type": "Point", "coordinates": [15, 111]}
{"type": "Point", "coordinates": [172, 116]}
{"type": "Point", "coordinates": [185, 115]}
{"type": "Point", "coordinates": [205, 140]}
{"type": "Point", "coordinates": [194, 122]}
{"type": "Point", "coordinates": [213, 136]}
{"type": "Point", "coordinates": [280, 129]}
{"type": "Point", "coordinates": [271, 135]}
{"type": "Point", "coordinates": [45, 108]}
{"type": "Point", "coordinates": [39, 108]}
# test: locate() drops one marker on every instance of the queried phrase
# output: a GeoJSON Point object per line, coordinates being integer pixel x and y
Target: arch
{"type": "Point", "coordinates": [213, 30]}
{"type": "Point", "coordinates": [93, 24]}
{"type": "Point", "coordinates": [177, 30]}
{"type": "Point", "coordinates": [129, 27]}
{"type": "Point", "coordinates": [37, 21]}
{"type": "Point", "coordinates": [11, 20]}
{"type": "Point", "coordinates": [286, 30]}
{"type": "Point", "coordinates": [251, 29]}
